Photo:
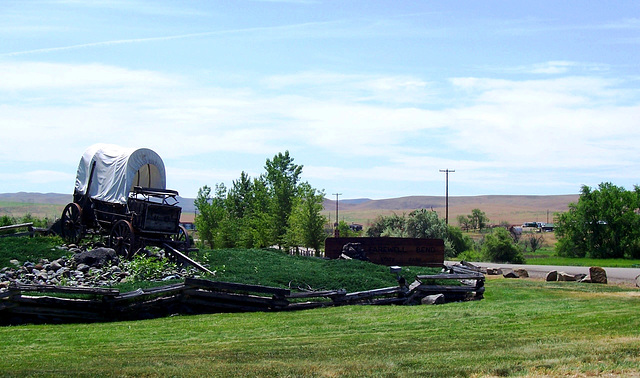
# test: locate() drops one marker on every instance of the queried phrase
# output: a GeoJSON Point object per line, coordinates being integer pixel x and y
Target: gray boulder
{"type": "Point", "coordinates": [55, 265]}
{"type": "Point", "coordinates": [96, 257]}
{"type": "Point", "coordinates": [84, 268]}
{"type": "Point", "coordinates": [521, 273]}
{"type": "Point", "coordinates": [510, 274]}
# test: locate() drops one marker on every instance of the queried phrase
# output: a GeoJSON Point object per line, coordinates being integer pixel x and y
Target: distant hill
{"type": "Point", "coordinates": [499, 208]}
{"type": "Point", "coordinates": [37, 198]}
{"type": "Point", "coordinates": [51, 204]}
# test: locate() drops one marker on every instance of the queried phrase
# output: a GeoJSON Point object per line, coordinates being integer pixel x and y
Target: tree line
{"type": "Point", "coordinates": [278, 209]}
{"type": "Point", "coordinates": [273, 209]}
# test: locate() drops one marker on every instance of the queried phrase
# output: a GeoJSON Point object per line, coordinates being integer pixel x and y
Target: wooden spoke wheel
{"type": "Point", "coordinates": [72, 228]}
{"type": "Point", "coordinates": [122, 239]}
{"type": "Point", "coordinates": [181, 240]}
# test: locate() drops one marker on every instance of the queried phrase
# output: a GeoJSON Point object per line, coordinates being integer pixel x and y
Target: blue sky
{"type": "Point", "coordinates": [373, 98]}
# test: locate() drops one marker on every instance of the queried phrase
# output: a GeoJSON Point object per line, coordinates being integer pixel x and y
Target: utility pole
{"type": "Point", "coordinates": [336, 232]}
{"type": "Point", "coordinates": [446, 171]}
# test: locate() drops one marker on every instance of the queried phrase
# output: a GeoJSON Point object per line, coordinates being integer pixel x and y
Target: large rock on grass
{"type": "Point", "coordinates": [510, 274]}
{"type": "Point", "coordinates": [552, 276]}
{"type": "Point", "coordinates": [522, 273]}
{"type": "Point", "coordinates": [96, 257]}
{"type": "Point", "coordinates": [598, 275]}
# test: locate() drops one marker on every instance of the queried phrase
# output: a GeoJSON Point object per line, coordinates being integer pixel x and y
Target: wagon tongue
{"type": "Point", "coordinates": [185, 259]}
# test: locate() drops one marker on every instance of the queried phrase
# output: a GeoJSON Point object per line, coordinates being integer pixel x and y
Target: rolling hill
{"type": "Point", "coordinates": [499, 208]}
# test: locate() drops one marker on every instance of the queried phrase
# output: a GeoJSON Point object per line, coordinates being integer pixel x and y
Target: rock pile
{"type": "Point", "coordinates": [98, 267]}
{"type": "Point", "coordinates": [596, 275]}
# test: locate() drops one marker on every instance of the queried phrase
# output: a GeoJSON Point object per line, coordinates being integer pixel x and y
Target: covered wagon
{"type": "Point", "coordinates": [121, 193]}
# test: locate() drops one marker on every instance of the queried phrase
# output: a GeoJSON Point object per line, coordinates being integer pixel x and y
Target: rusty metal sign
{"type": "Point", "coordinates": [389, 251]}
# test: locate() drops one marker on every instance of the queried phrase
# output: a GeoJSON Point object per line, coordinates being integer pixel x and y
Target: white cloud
{"type": "Point", "coordinates": [495, 130]}
{"type": "Point", "coordinates": [386, 89]}
{"type": "Point", "coordinates": [553, 67]}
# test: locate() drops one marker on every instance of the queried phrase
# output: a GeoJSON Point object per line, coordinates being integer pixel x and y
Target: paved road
{"type": "Point", "coordinates": [614, 275]}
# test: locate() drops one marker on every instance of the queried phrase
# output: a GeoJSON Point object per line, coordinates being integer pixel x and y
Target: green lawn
{"type": "Point", "coordinates": [579, 261]}
{"type": "Point", "coordinates": [520, 328]}
{"type": "Point", "coordinates": [547, 256]}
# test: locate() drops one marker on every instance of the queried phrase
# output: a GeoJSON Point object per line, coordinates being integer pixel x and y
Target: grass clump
{"type": "Point", "coordinates": [33, 249]}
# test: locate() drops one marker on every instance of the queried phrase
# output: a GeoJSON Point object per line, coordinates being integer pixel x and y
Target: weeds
{"type": "Point", "coordinates": [144, 268]}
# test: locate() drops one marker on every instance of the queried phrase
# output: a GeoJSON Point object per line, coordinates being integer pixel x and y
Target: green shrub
{"type": "Point", "coordinates": [499, 247]}
{"type": "Point", "coordinates": [458, 241]}
{"type": "Point", "coordinates": [470, 255]}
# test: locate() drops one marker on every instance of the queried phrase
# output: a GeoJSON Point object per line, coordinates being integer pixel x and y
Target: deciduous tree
{"type": "Point", "coordinates": [282, 177]}
{"type": "Point", "coordinates": [478, 219]}
{"type": "Point", "coordinates": [211, 212]}
{"type": "Point", "coordinates": [306, 225]}
{"type": "Point", "coordinates": [604, 223]}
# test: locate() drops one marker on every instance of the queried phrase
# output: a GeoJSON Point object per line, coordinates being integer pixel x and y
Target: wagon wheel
{"type": "Point", "coordinates": [181, 240]}
{"type": "Point", "coordinates": [122, 239]}
{"type": "Point", "coordinates": [71, 222]}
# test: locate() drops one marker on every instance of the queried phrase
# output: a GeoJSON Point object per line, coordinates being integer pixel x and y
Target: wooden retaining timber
{"type": "Point", "coordinates": [28, 226]}
{"type": "Point", "coordinates": [61, 304]}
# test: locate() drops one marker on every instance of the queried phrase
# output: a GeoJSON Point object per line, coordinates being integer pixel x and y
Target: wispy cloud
{"type": "Point", "coordinates": [626, 23]}
{"type": "Point", "coordinates": [287, 29]}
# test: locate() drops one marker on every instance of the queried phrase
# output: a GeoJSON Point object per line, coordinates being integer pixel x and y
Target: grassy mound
{"type": "Point", "coordinates": [250, 266]}
{"type": "Point", "coordinates": [29, 249]}
{"type": "Point", "coordinates": [278, 269]}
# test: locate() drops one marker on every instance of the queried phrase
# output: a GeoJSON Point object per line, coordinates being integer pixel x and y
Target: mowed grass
{"type": "Point", "coordinates": [547, 256]}
{"type": "Point", "coordinates": [584, 261]}
{"type": "Point", "coordinates": [522, 327]}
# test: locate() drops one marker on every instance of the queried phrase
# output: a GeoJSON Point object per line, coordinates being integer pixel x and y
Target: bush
{"type": "Point", "coordinates": [534, 242]}
{"type": "Point", "coordinates": [459, 242]}
{"type": "Point", "coordinates": [470, 255]}
{"type": "Point", "coordinates": [499, 247]}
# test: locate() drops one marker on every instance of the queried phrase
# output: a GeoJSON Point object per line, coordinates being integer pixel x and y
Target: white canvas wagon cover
{"type": "Point", "coordinates": [117, 171]}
